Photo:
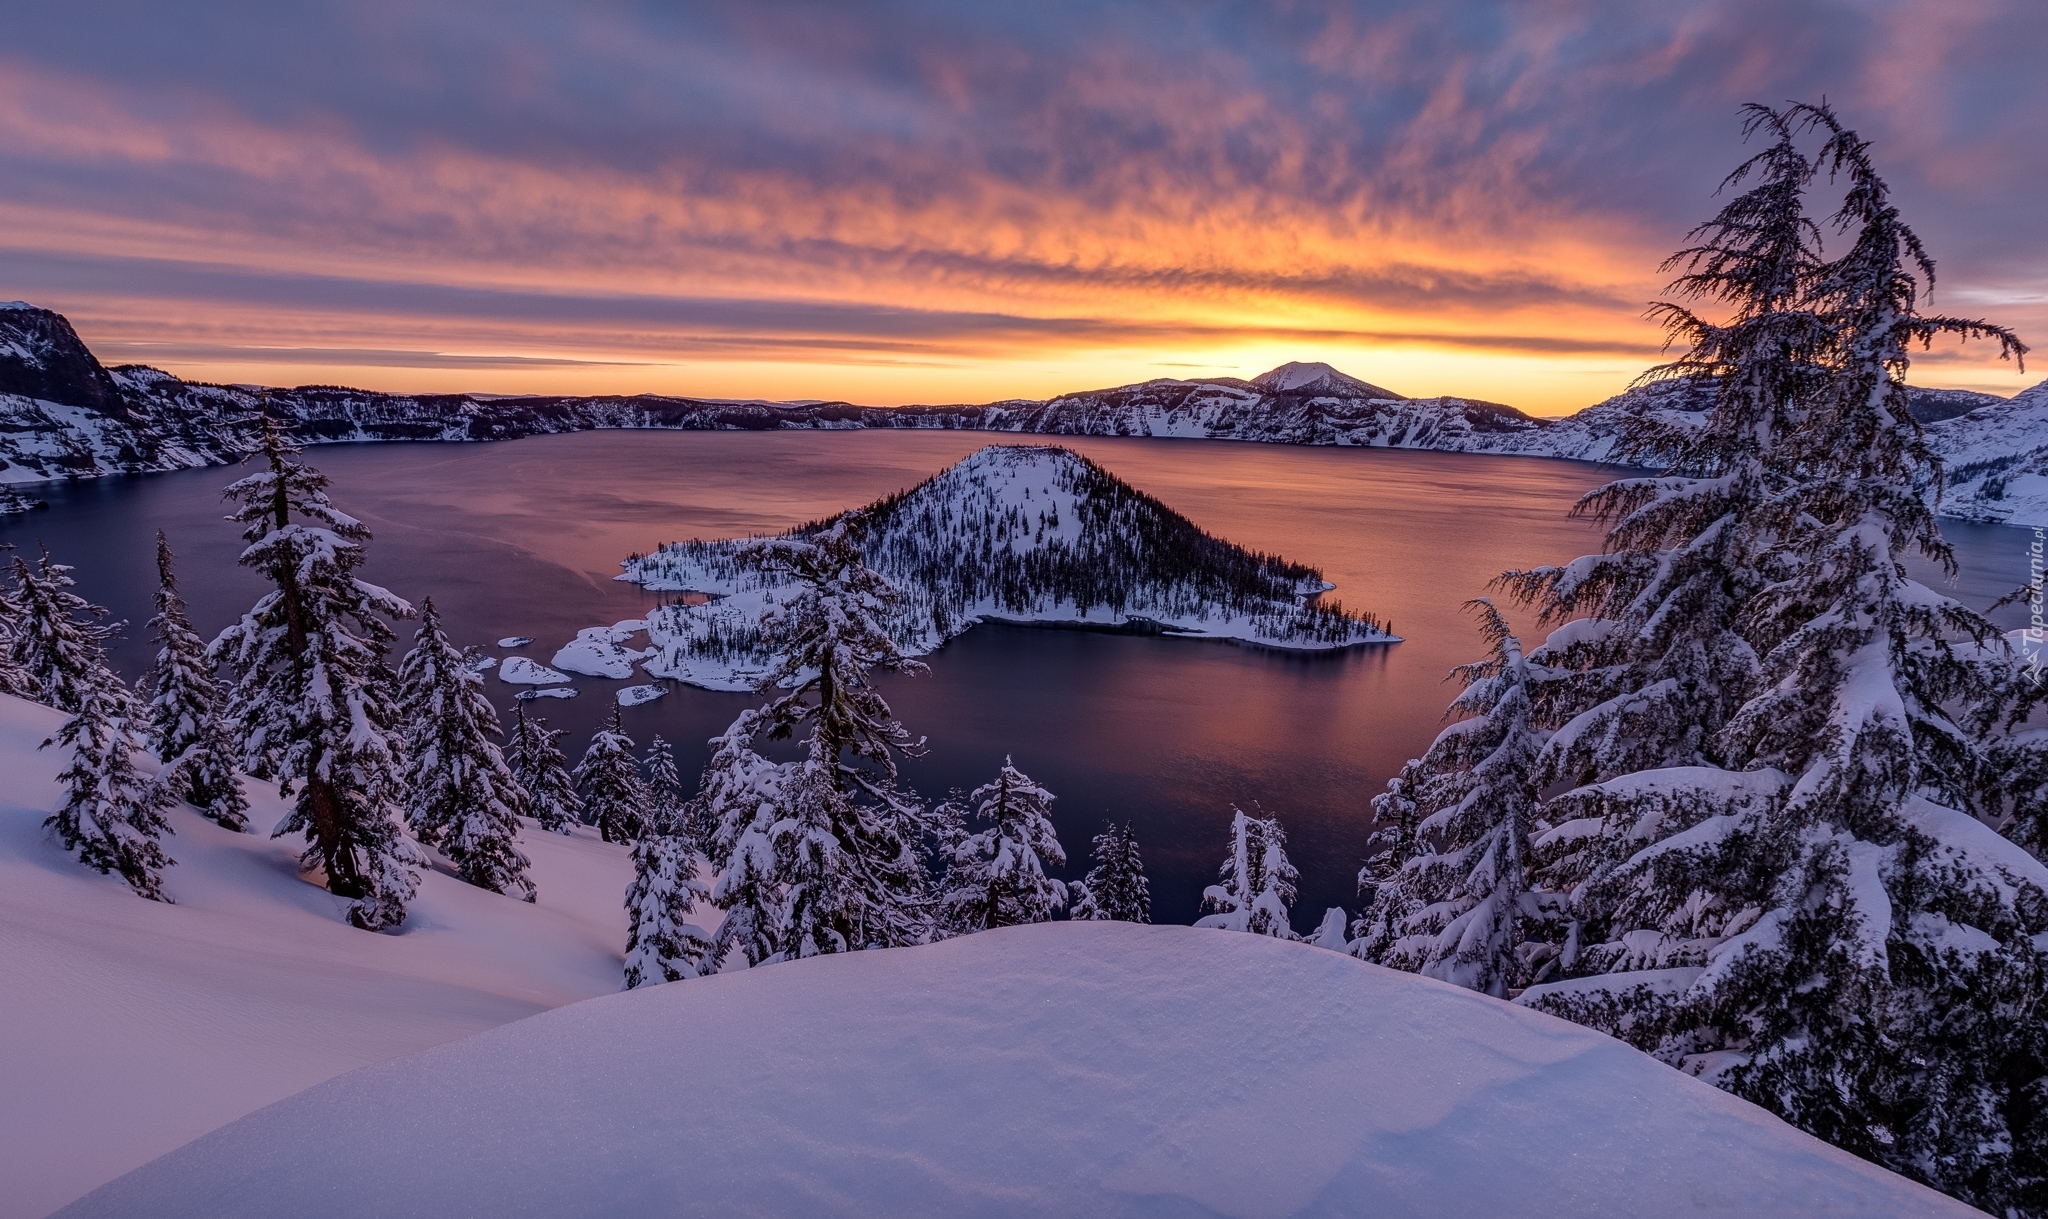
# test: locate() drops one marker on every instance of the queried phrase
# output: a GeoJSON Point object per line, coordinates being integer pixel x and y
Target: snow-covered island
{"type": "Point", "coordinates": [1033, 534]}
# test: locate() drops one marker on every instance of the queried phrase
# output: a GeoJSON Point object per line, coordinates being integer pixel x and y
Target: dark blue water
{"type": "Point", "coordinates": [523, 537]}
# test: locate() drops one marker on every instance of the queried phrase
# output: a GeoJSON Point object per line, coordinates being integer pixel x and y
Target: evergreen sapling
{"type": "Point", "coordinates": [462, 797]}
{"type": "Point", "coordinates": [1456, 905]}
{"type": "Point", "coordinates": [662, 945]}
{"type": "Point", "coordinates": [542, 772]}
{"type": "Point", "coordinates": [614, 797]}
{"type": "Point", "coordinates": [185, 728]}
{"type": "Point", "coordinates": [1255, 885]}
{"type": "Point", "coordinates": [59, 642]}
{"type": "Point", "coordinates": [997, 876]}
{"type": "Point", "coordinates": [1116, 887]}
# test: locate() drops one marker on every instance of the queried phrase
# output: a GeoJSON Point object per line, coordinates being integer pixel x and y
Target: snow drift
{"type": "Point", "coordinates": [128, 1027]}
{"type": "Point", "coordinates": [1058, 1069]}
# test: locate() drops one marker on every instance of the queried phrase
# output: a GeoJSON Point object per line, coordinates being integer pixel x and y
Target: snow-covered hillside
{"type": "Point", "coordinates": [1997, 459]}
{"type": "Point", "coordinates": [1019, 533]}
{"type": "Point", "coordinates": [1068, 1068]}
{"type": "Point", "coordinates": [128, 1027]}
{"type": "Point", "coordinates": [1098, 1069]}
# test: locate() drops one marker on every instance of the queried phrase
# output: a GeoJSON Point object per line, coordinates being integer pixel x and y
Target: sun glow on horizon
{"type": "Point", "coordinates": [892, 214]}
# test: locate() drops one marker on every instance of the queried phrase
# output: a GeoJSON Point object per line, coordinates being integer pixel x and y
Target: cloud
{"type": "Point", "coordinates": [919, 179]}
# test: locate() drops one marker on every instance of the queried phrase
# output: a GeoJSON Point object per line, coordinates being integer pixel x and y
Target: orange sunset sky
{"type": "Point", "coordinates": [896, 203]}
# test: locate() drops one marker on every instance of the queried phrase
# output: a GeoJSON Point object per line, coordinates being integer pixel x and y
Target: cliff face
{"type": "Point", "coordinates": [62, 415]}
{"type": "Point", "coordinates": [42, 357]}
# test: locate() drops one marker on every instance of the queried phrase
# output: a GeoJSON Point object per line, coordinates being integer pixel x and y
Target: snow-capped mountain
{"type": "Point", "coordinates": [64, 416]}
{"type": "Point", "coordinates": [1318, 381]}
{"type": "Point", "coordinates": [1012, 533]}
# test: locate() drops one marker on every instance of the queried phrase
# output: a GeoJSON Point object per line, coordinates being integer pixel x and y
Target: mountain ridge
{"type": "Point", "coordinates": [63, 416]}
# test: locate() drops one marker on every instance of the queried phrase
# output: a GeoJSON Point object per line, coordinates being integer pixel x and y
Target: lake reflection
{"type": "Point", "coordinates": [524, 537]}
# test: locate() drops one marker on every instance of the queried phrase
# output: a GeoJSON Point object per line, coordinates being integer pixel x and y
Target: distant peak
{"type": "Point", "coordinates": [1296, 377]}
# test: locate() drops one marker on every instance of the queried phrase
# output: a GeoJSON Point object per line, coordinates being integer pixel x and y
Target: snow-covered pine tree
{"type": "Point", "coordinates": [614, 798]}
{"type": "Point", "coordinates": [1650, 662]}
{"type": "Point", "coordinates": [664, 787]}
{"type": "Point", "coordinates": [112, 815]}
{"type": "Point", "coordinates": [997, 874]}
{"type": "Point", "coordinates": [13, 678]}
{"type": "Point", "coordinates": [185, 727]}
{"type": "Point", "coordinates": [1116, 887]}
{"type": "Point", "coordinates": [461, 796]}
{"type": "Point", "coordinates": [662, 945]}
{"type": "Point", "coordinates": [1255, 886]}
{"type": "Point", "coordinates": [312, 702]}
{"type": "Point", "coordinates": [59, 641]}
{"type": "Point", "coordinates": [741, 795]}
{"type": "Point", "coordinates": [1457, 904]}
{"type": "Point", "coordinates": [542, 772]}
{"type": "Point", "coordinates": [868, 887]}
{"type": "Point", "coordinates": [1810, 915]}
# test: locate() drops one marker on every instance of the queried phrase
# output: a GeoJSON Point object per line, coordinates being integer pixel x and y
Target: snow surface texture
{"type": "Point", "coordinates": [131, 1026]}
{"type": "Point", "coordinates": [1011, 533]}
{"type": "Point", "coordinates": [1100, 1069]}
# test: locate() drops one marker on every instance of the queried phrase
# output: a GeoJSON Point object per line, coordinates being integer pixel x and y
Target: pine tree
{"type": "Point", "coordinates": [59, 642]}
{"type": "Point", "coordinates": [111, 815]}
{"type": "Point", "coordinates": [661, 944]}
{"type": "Point", "coordinates": [1833, 933]}
{"type": "Point", "coordinates": [1255, 886]}
{"type": "Point", "coordinates": [664, 787]}
{"type": "Point", "coordinates": [185, 728]}
{"type": "Point", "coordinates": [13, 678]}
{"type": "Point", "coordinates": [542, 772]}
{"type": "Point", "coordinates": [741, 794]}
{"type": "Point", "coordinates": [829, 844]}
{"type": "Point", "coordinates": [1454, 906]}
{"type": "Point", "coordinates": [1116, 887]}
{"type": "Point", "coordinates": [462, 797]}
{"type": "Point", "coordinates": [312, 702]}
{"type": "Point", "coordinates": [613, 796]}
{"type": "Point", "coordinates": [997, 877]}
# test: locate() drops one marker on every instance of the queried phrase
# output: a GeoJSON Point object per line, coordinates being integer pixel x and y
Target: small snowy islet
{"type": "Point", "coordinates": [527, 696]}
{"type": "Point", "coordinates": [521, 671]}
{"type": "Point", "coordinates": [634, 696]}
{"type": "Point", "coordinates": [515, 641]}
{"type": "Point", "coordinates": [600, 651]}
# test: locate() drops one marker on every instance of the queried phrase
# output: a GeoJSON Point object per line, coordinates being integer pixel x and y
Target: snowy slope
{"type": "Point", "coordinates": [1997, 460]}
{"type": "Point", "coordinates": [1013, 532]}
{"type": "Point", "coordinates": [128, 1027]}
{"type": "Point", "coordinates": [1098, 1069]}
